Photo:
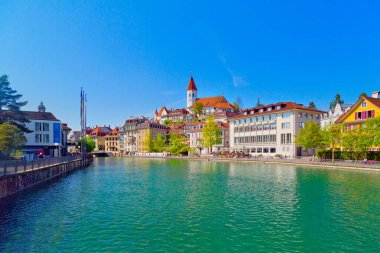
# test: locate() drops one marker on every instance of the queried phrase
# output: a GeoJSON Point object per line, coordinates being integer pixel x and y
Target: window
{"type": "Point", "coordinates": [259, 150]}
{"type": "Point", "coordinates": [286, 115]}
{"type": "Point", "coordinates": [272, 116]}
{"type": "Point", "coordinates": [46, 127]}
{"type": "Point", "coordinates": [266, 117]}
{"type": "Point", "coordinates": [273, 150]}
{"type": "Point", "coordinates": [266, 127]}
{"type": "Point", "coordinates": [261, 110]}
{"type": "Point", "coordinates": [364, 104]}
{"type": "Point", "coordinates": [300, 115]}
{"type": "Point", "coordinates": [273, 126]}
{"type": "Point", "coordinates": [269, 109]}
{"type": "Point", "coordinates": [278, 107]}
{"type": "Point", "coordinates": [282, 138]}
{"type": "Point", "coordinates": [288, 138]}
{"type": "Point", "coordinates": [266, 150]}
{"type": "Point", "coordinates": [259, 127]}
{"type": "Point", "coordinates": [285, 125]}
{"type": "Point", "coordinates": [37, 126]}
{"type": "Point", "coordinates": [301, 125]}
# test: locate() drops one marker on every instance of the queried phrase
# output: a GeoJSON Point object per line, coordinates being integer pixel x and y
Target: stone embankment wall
{"type": "Point", "coordinates": [13, 183]}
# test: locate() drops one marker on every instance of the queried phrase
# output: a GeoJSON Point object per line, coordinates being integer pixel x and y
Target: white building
{"type": "Point", "coordinates": [333, 114]}
{"type": "Point", "coordinates": [46, 136]}
{"type": "Point", "coordinates": [270, 130]}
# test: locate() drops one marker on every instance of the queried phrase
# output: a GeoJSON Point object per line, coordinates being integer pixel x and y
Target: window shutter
{"type": "Point", "coordinates": [356, 115]}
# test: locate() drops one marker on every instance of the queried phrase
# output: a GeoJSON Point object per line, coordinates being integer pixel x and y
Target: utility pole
{"type": "Point", "coordinates": [83, 108]}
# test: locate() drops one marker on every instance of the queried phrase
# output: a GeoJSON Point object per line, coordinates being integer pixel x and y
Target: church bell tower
{"type": "Point", "coordinates": [191, 93]}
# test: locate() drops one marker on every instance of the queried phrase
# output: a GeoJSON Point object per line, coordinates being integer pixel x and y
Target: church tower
{"type": "Point", "coordinates": [191, 92]}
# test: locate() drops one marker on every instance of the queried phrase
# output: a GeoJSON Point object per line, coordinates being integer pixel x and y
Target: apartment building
{"type": "Point", "coordinates": [128, 135]}
{"type": "Point", "coordinates": [112, 143]}
{"type": "Point", "coordinates": [270, 130]}
{"type": "Point", "coordinates": [146, 132]}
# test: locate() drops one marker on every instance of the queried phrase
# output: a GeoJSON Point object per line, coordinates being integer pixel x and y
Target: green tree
{"type": "Point", "coordinates": [159, 144]}
{"type": "Point", "coordinates": [337, 100]}
{"type": "Point", "coordinates": [312, 105]}
{"type": "Point", "coordinates": [363, 94]}
{"type": "Point", "coordinates": [211, 134]}
{"type": "Point", "coordinates": [167, 122]}
{"type": "Point", "coordinates": [235, 105]}
{"type": "Point", "coordinates": [10, 106]}
{"type": "Point", "coordinates": [198, 108]}
{"type": "Point", "coordinates": [332, 137]}
{"type": "Point", "coordinates": [372, 128]}
{"type": "Point", "coordinates": [350, 141]}
{"type": "Point", "coordinates": [310, 136]}
{"type": "Point", "coordinates": [177, 144]}
{"type": "Point", "coordinates": [11, 139]}
{"type": "Point", "coordinates": [90, 144]}
{"type": "Point", "coordinates": [148, 143]}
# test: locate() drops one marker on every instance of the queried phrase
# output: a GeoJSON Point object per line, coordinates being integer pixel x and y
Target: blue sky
{"type": "Point", "coordinates": [135, 56]}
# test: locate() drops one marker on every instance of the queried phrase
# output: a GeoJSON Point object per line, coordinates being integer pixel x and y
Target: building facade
{"type": "Point", "coordinates": [128, 135]}
{"type": "Point", "coordinates": [146, 132]}
{"type": "Point", "coordinates": [270, 130]}
{"type": "Point", "coordinates": [46, 137]}
{"type": "Point", "coordinates": [98, 136]}
{"type": "Point", "coordinates": [112, 142]}
{"type": "Point", "coordinates": [333, 114]}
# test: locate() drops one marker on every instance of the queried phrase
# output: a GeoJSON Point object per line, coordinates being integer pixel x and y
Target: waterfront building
{"type": "Point", "coordinates": [46, 137]}
{"type": "Point", "coordinates": [146, 132]}
{"type": "Point", "coordinates": [112, 142]}
{"type": "Point", "coordinates": [270, 130]}
{"type": "Point", "coordinates": [98, 136]}
{"type": "Point", "coordinates": [193, 131]}
{"type": "Point", "coordinates": [128, 135]}
{"type": "Point", "coordinates": [365, 108]}
{"type": "Point", "coordinates": [174, 115]}
{"type": "Point", "coordinates": [333, 114]}
{"type": "Point", "coordinates": [65, 140]}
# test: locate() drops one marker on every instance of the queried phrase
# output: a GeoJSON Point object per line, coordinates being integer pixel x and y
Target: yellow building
{"type": "Point", "coordinates": [146, 132]}
{"type": "Point", "coordinates": [365, 108]}
{"type": "Point", "coordinates": [112, 144]}
{"type": "Point", "coordinates": [98, 136]}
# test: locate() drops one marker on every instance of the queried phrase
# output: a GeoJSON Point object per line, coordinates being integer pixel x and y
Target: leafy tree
{"type": "Point", "coordinates": [10, 106]}
{"type": "Point", "coordinates": [310, 136]}
{"type": "Point", "coordinates": [312, 105]}
{"type": "Point", "coordinates": [363, 94]}
{"type": "Point", "coordinates": [11, 139]}
{"type": "Point", "coordinates": [148, 144]}
{"type": "Point", "coordinates": [198, 108]}
{"type": "Point", "coordinates": [350, 141]}
{"type": "Point", "coordinates": [235, 105]}
{"type": "Point", "coordinates": [177, 144]}
{"type": "Point", "coordinates": [167, 122]}
{"type": "Point", "coordinates": [372, 128]}
{"type": "Point", "coordinates": [211, 134]}
{"type": "Point", "coordinates": [337, 100]}
{"type": "Point", "coordinates": [332, 137]}
{"type": "Point", "coordinates": [159, 143]}
{"type": "Point", "coordinates": [90, 144]}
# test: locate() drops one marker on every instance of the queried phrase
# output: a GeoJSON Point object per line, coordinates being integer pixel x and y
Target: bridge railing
{"type": "Point", "coordinates": [17, 166]}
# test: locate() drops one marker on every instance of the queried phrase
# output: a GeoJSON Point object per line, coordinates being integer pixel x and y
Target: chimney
{"type": "Point", "coordinates": [375, 94]}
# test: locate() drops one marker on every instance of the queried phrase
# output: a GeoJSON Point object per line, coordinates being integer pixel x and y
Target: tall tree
{"type": "Point", "coordinates": [177, 144]}
{"type": "Point", "coordinates": [198, 108]}
{"type": "Point", "coordinates": [159, 143]}
{"type": "Point", "coordinates": [337, 100]}
{"type": "Point", "coordinates": [90, 144]}
{"type": "Point", "coordinates": [10, 105]}
{"type": "Point", "coordinates": [147, 143]}
{"type": "Point", "coordinates": [372, 128]}
{"type": "Point", "coordinates": [11, 139]}
{"type": "Point", "coordinates": [211, 134]}
{"type": "Point", "coordinates": [312, 105]}
{"type": "Point", "coordinates": [332, 137]}
{"type": "Point", "coordinates": [363, 94]}
{"type": "Point", "coordinates": [310, 136]}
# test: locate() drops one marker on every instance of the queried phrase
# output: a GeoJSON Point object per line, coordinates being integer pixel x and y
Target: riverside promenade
{"type": "Point", "coordinates": [16, 176]}
{"type": "Point", "coordinates": [304, 161]}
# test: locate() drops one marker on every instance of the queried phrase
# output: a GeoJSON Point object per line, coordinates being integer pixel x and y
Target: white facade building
{"type": "Point", "coordinates": [270, 130]}
{"type": "Point", "coordinates": [46, 136]}
{"type": "Point", "coordinates": [333, 114]}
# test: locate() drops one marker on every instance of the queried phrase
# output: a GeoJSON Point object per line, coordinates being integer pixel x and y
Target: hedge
{"type": "Point", "coordinates": [349, 155]}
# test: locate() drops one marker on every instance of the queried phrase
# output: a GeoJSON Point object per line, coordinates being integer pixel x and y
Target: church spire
{"type": "Point", "coordinates": [191, 85]}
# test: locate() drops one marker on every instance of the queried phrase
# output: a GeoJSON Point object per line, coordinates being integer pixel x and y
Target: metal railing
{"type": "Point", "coordinates": [13, 167]}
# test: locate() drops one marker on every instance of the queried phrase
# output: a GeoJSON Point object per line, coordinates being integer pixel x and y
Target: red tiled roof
{"type": "Point", "coordinates": [191, 85]}
{"type": "Point", "coordinates": [211, 101]}
{"type": "Point", "coordinates": [285, 106]}
{"type": "Point", "coordinates": [161, 111]}
{"type": "Point", "coordinates": [114, 132]}
{"type": "Point", "coordinates": [100, 131]}
{"type": "Point", "coordinates": [224, 105]}
{"type": "Point", "coordinates": [374, 101]}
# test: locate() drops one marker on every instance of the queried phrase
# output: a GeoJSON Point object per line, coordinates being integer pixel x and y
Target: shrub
{"type": "Point", "coordinates": [349, 155]}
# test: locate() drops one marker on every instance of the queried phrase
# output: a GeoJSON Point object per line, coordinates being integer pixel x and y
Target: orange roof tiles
{"type": "Point", "coordinates": [224, 105]}
{"type": "Point", "coordinates": [211, 101]}
{"type": "Point", "coordinates": [191, 85]}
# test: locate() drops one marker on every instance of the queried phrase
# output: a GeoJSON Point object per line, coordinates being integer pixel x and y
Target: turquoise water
{"type": "Point", "coordinates": [127, 205]}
